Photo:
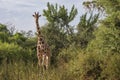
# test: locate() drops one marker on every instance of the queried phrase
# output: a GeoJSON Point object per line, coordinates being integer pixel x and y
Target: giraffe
{"type": "Point", "coordinates": [43, 50]}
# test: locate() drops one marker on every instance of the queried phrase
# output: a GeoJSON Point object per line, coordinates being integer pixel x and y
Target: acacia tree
{"type": "Point", "coordinates": [58, 31]}
{"type": "Point", "coordinates": [60, 17]}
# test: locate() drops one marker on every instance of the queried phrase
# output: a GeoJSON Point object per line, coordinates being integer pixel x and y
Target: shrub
{"type": "Point", "coordinates": [90, 67]}
{"type": "Point", "coordinates": [66, 55]}
{"type": "Point", "coordinates": [111, 67]}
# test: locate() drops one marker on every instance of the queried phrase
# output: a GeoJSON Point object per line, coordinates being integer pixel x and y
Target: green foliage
{"type": "Point", "coordinates": [112, 20]}
{"type": "Point", "coordinates": [60, 17]}
{"type": "Point", "coordinates": [18, 38]}
{"type": "Point", "coordinates": [3, 28]}
{"type": "Point", "coordinates": [16, 46]}
{"type": "Point", "coordinates": [58, 33]}
{"type": "Point", "coordinates": [107, 36]}
{"type": "Point", "coordinates": [90, 68]}
{"type": "Point", "coordinates": [54, 14]}
{"type": "Point", "coordinates": [73, 71]}
{"type": "Point", "coordinates": [10, 51]}
{"type": "Point", "coordinates": [111, 67]}
{"type": "Point", "coordinates": [86, 28]}
{"type": "Point", "coordinates": [109, 5]}
{"type": "Point", "coordinates": [84, 67]}
{"type": "Point", "coordinates": [56, 40]}
{"type": "Point", "coordinates": [4, 33]}
{"type": "Point", "coordinates": [68, 54]}
{"type": "Point", "coordinates": [107, 41]}
{"type": "Point", "coordinates": [99, 58]}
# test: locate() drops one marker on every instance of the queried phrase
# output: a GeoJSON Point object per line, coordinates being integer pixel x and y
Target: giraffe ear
{"type": "Point", "coordinates": [33, 15]}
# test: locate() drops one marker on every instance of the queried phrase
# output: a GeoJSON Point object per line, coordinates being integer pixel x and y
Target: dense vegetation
{"type": "Point", "coordinates": [88, 51]}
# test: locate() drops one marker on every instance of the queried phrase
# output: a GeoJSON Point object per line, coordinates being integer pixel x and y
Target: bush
{"type": "Point", "coordinates": [85, 67]}
{"type": "Point", "coordinates": [111, 67]}
{"type": "Point", "coordinates": [107, 41]}
{"type": "Point", "coordinates": [90, 68]}
{"type": "Point", "coordinates": [10, 51]}
{"type": "Point", "coordinates": [67, 55]}
{"type": "Point", "coordinates": [13, 52]}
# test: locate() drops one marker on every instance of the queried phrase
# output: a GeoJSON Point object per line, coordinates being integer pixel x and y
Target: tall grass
{"type": "Point", "coordinates": [77, 66]}
{"type": "Point", "coordinates": [27, 71]}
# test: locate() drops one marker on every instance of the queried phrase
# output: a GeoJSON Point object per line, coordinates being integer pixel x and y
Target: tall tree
{"type": "Point", "coordinates": [107, 36]}
{"type": "Point", "coordinates": [4, 33]}
{"type": "Point", "coordinates": [86, 28]}
{"type": "Point", "coordinates": [60, 17]}
{"type": "Point", "coordinates": [58, 31]}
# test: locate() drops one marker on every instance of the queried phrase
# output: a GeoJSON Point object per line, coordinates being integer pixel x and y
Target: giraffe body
{"type": "Point", "coordinates": [43, 51]}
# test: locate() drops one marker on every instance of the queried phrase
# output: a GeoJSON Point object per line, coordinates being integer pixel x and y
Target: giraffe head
{"type": "Point", "coordinates": [36, 15]}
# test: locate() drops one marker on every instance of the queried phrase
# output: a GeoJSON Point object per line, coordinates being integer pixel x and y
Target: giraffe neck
{"type": "Point", "coordinates": [38, 28]}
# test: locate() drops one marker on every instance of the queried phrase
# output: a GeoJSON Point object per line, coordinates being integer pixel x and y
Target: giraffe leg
{"type": "Point", "coordinates": [46, 63]}
{"type": "Point", "coordinates": [39, 61]}
{"type": "Point", "coordinates": [43, 59]}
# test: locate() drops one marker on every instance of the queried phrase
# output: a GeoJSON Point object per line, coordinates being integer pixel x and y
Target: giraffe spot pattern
{"type": "Point", "coordinates": [41, 44]}
{"type": "Point", "coordinates": [43, 47]}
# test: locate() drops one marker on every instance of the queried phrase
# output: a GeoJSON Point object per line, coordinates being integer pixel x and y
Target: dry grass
{"type": "Point", "coordinates": [29, 71]}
